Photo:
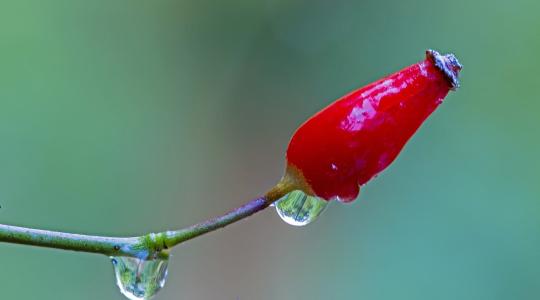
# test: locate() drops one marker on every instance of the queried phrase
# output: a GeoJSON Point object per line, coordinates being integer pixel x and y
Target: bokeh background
{"type": "Point", "coordinates": [123, 117]}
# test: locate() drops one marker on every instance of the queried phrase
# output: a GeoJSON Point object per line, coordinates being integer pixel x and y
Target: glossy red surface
{"type": "Point", "coordinates": [356, 137]}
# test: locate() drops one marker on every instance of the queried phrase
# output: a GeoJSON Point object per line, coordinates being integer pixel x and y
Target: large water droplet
{"type": "Point", "coordinates": [299, 209]}
{"type": "Point", "coordinates": [139, 279]}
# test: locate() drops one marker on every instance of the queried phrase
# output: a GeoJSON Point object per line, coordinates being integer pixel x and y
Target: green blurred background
{"type": "Point", "coordinates": [123, 117]}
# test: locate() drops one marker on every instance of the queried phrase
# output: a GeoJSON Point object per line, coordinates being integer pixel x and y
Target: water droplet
{"type": "Point", "coordinates": [139, 279]}
{"type": "Point", "coordinates": [299, 209]}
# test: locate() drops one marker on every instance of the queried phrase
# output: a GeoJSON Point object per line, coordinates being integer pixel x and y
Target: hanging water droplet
{"type": "Point", "coordinates": [139, 279]}
{"type": "Point", "coordinates": [299, 209]}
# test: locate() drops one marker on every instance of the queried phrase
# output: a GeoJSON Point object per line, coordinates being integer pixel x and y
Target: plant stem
{"type": "Point", "coordinates": [146, 246]}
{"type": "Point", "coordinates": [66, 241]}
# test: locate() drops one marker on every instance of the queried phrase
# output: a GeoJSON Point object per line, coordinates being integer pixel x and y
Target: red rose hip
{"type": "Point", "coordinates": [353, 139]}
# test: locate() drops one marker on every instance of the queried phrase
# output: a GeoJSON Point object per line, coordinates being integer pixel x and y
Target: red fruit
{"type": "Point", "coordinates": [356, 137]}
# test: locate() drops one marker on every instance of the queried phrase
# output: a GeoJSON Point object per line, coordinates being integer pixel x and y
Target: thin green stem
{"type": "Point", "coordinates": [176, 237]}
{"type": "Point", "coordinates": [67, 241]}
{"type": "Point", "coordinates": [145, 246]}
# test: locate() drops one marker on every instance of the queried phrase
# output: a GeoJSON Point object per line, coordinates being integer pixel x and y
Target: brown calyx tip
{"type": "Point", "coordinates": [448, 64]}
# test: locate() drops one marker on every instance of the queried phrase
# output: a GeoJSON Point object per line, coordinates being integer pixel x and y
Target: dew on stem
{"type": "Point", "coordinates": [139, 279]}
{"type": "Point", "coordinates": [300, 209]}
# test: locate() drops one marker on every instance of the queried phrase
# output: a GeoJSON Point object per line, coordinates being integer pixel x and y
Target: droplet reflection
{"type": "Point", "coordinates": [300, 209]}
{"type": "Point", "coordinates": [139, 279]}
